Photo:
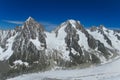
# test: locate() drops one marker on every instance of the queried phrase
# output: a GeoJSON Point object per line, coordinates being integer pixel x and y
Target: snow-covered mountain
{"type": "Point", "coordinates": [82, 45]}
{"type": "Point", "coordinates": [69, 44]}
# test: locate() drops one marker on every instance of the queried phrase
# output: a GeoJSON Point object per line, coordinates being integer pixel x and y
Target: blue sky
{"type": "Point", "coordinates": [52, 12]}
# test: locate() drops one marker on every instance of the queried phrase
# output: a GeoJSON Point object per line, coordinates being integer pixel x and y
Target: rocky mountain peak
{"type": "Point", "coordinates": [30, 40]}
{"type": "Point", "coordinates": [32, 25]}
{"type": "Point", "coordinates": [76, 24]}
{"type": "Point", "coordinates": [69, 45]}
{"type": "Point", "coordinates": [30, 19]}
{"type": "Point", "coordinates": [102, 27]}
{"type": "Point", "coordinates": [93, 28]}
{"type": "Point", "coordinates": [70, 24]}
{"type": "Point", "coordinates": [72, 21]}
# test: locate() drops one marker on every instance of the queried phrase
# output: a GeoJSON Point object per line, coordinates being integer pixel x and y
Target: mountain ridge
{"type": "Point", "coordinates": [70, 44]}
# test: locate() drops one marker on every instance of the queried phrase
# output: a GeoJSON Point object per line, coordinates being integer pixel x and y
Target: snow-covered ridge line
{"type": "Point", "coordinates": [68, 45]}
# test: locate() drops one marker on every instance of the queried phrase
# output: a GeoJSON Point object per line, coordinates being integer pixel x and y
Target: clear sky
{"type": "Point", "coordinates": [52, 12]}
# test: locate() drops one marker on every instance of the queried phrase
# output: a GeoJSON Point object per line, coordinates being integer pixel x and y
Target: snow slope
{"type": "Point", "coordinates": [4, 55]}
{"type": "Point", "coordinates": [109, 71]}
{"type": "Point", "coordinates": [110, 34]}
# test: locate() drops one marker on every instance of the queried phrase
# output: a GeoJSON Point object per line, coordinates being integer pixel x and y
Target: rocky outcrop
{"type": "Point", "coordinates": [4, 36]}
{"type": "Point", "coordinates": [77, 53]}
{"type": "Point", "coordinates": [118, 37]}
{"type": "Point", "coordinates": [68, 45]}
{"type": "Point", "coordinates": [23, 46]}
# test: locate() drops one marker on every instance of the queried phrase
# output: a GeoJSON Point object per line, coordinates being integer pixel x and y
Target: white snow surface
{"type": "Point", "coordinates": [73, 23]}
{"type": "Point", "coordinates": [29, 18]}
{"type": "Point", "coordinates": [99, 37]}
{"type": "Point", "coordinates": [108, 71]}
{"type": "Point", "coordinates": [113, 38]}
{"type": "Point", "coordinates": [20, 62]}
{"type": "Point", "coordinates": [111, 35]}
{"type": "Point", "coordinates": [4, 55]}
{"type": "Point", "coordinates": [37, 43]}
{"type": "Point", "coordinates": [83, 40]}
{"type": "Point", "coordinates": [3, 34]}
{"type": "Point", "coordinates": [58, 42]}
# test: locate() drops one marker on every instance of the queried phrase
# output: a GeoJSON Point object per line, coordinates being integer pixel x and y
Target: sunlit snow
{"type": "Point", "coordinates": [108, 71]}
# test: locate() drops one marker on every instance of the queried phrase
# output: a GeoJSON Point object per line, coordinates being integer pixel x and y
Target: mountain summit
{"type": "Point", "coordinates": [68, 45]}
{"type": "Point", "coordinates": [30, 23]}
{"type": "Point", "coordinates": [30, 19]}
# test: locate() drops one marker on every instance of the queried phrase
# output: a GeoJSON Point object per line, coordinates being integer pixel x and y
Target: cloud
{"type": "Point", "coordinates": [115, 27]}
{"type": "Point", "coordinates": [49, 26]}
{"type": "Point", "coordinates": [13, 22]}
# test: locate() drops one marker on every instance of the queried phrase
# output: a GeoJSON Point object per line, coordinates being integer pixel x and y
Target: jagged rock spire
{"type": "Point", "coordinates": [30, 19]}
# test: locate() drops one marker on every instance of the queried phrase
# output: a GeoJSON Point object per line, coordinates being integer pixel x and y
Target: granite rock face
{"type": "Point", "coordinates": [79, 53]}
{"type": "Point", "coordinates": [31, 47]}
{"type": "Point", "coordinates": [29, 42]}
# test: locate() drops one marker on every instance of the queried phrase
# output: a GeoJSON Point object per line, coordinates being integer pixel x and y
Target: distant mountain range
{"type": "Point", "coordinates": [31, 47]}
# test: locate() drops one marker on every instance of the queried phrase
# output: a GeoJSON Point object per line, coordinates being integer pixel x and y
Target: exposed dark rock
{"type": "Point", "coordinates": [72, 40]}
{"type": "Point", "coordinates": [92, 42]}
{"type": "Point", "coordinates": [43, 56]}
{"type": "Point", "coordinates": [95, 59]}
{"type": "Point", "coordinates": [118, 37]}
{"type": "Point", "coordinates": [93, 28]}
{"type": "Point", "coordinates": [6, 35]}
{"type": "Point", "coordinates": [103, 49]}
{"type": "Point", "coordinates": [107, 40]}
{"type": "Point", "coordinates": [23, 48]}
